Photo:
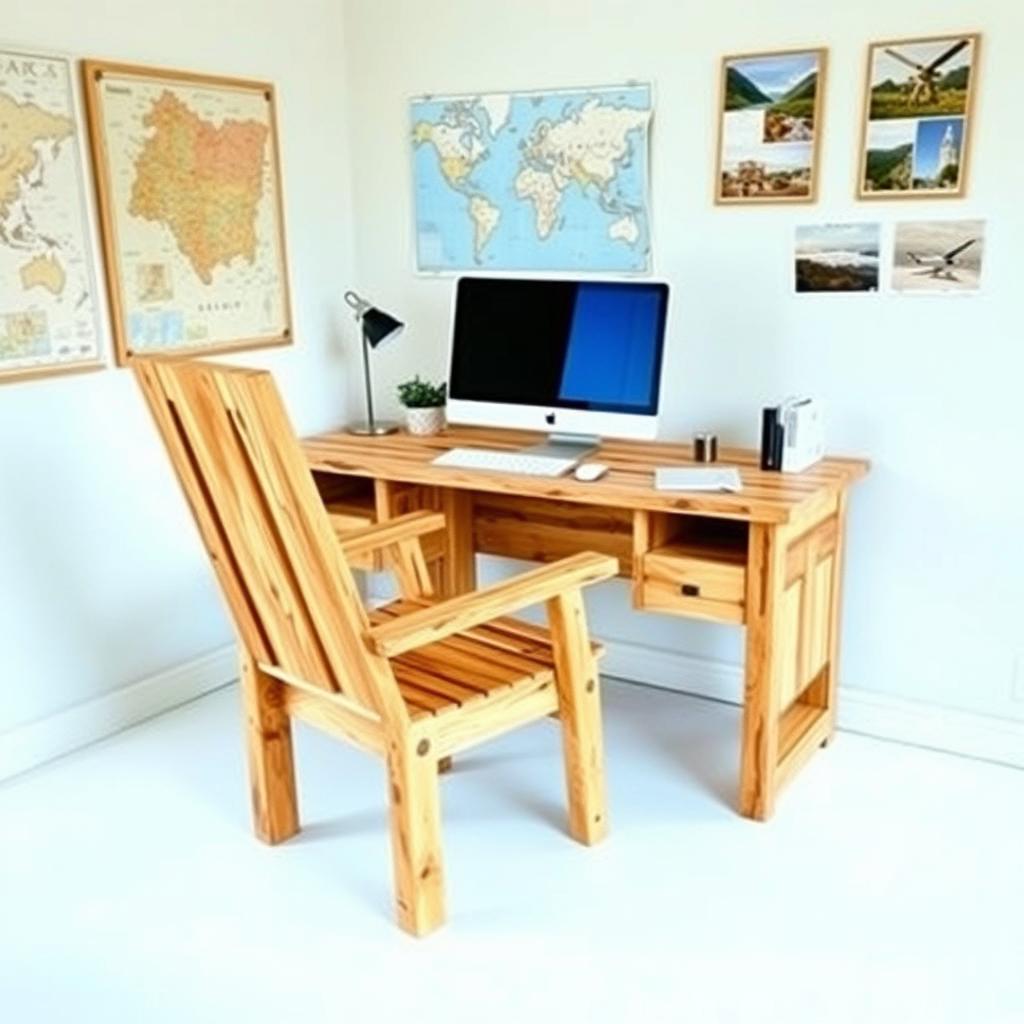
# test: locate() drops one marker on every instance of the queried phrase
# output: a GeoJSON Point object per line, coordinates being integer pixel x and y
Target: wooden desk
{"type": "Point", "coordinates": [768, 558]}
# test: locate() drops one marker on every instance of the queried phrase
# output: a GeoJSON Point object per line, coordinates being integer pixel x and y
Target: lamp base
{"type": "Point", "coordinates": [378, 429]}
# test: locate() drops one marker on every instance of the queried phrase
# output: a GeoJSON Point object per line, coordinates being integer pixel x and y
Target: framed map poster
{"type": "Point", "coordinates": [48, 298]}
{"type": "Point", "coordinates": [919, 96]}
{"type": "Point", "coordinates": [554, 180]}
{"type": "Point", "coordinates": [189, 189]}
{"type": "Point", "coordinates": [769, 127]}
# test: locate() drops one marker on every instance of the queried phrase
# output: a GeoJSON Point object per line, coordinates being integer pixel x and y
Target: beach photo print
{"type": "Point", "coordinates": [837, 257]}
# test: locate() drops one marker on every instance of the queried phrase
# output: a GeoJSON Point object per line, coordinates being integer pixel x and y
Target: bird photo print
{"type": "Point", "coordinates": [917, 113]}
{"type": "Point", "coordinates": [938, 256]}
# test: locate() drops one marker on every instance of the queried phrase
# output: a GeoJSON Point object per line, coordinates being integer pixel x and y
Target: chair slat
{"type": "Point", "coordinates": [290, 591]}
{"type": "Point", "coordinates": [211, 528]}
{"type": "Point", "coordinates": [243, 507]}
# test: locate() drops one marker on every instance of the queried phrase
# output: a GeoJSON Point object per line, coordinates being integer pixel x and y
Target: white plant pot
{"type": "Point", "coordinates": [425, 421]}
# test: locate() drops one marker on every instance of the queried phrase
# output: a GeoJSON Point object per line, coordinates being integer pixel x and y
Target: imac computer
{"type": "Point", "coordinates": [579, 359]}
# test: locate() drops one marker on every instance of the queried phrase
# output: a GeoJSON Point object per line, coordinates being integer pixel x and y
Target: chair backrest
{"type": "Point", "coordinates": [291, 594]}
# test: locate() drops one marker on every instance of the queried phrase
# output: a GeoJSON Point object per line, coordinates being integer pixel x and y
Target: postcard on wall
{"type": "Point", "coordinates": [917, 114]}
{"type": "Point", "coordinates": [770, 127]}
{"type": "Point", "coordinates": [938, 256]}
{"type": "Point", "coordinates": [48, 296]}
{"type": "Point", "coordinates": [837, 257]}
{"type": "Point", "coordinates": [189, 188]}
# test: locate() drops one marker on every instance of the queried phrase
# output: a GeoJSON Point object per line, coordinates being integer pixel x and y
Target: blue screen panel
{"type": "Point", "coordinates": [613, 347]}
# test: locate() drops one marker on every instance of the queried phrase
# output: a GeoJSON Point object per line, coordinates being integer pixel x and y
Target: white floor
{"type": "Point", "coordinates": [889, 887]}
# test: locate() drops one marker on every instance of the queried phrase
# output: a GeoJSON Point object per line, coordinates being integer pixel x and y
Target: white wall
{"type": "Point", "coordinates": [102, 577]}
{"type": "Point", "coordinates": [927, 387]}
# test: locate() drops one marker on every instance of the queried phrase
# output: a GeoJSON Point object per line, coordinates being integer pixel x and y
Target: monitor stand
{"type": "Point", "coordinates": [566, 446]}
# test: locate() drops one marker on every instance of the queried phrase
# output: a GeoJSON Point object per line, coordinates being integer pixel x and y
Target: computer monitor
{"type": "Point", "coordinates": [569, 357]}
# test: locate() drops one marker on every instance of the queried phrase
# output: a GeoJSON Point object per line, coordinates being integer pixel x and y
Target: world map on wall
{"type": "Point", "coordinates": [533, 181]}
{"type": "Point", "coordinates": [47, 302]}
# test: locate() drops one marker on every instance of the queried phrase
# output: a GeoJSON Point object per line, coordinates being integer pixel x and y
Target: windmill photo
{"type": "Point", "coordinates": [919, 96]}
{"type": "Point", "coordinates": [922, 78]}
{"type": "Point", "coordinates": [925, 76]}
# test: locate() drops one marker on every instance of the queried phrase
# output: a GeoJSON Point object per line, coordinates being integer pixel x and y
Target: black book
{"type": "Point", "coordinates": [772, 436]}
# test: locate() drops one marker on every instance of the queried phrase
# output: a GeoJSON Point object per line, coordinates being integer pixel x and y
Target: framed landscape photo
{"type": "Point", "coordinates": [188, 184]}
{"type": "Point", "coordinates": [48, 296]}
{"type": "Point", "coordinates": [769, 127]}
{"type": "Point", "coordinates": [918, 103]}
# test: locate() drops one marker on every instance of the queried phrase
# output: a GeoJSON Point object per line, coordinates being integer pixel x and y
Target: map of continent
{"type": "Point", "coordinates": [47, 312]}
{"type": "Point", "coordinates": [203, 181]}
{"type": "Point", "coordinates": [533, 181]}
{"type": "Point", "coordinates": [191, 189]}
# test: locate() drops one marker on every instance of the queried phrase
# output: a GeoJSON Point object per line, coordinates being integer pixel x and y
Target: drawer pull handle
{"type": "Point", "coordinates": [690, 590]}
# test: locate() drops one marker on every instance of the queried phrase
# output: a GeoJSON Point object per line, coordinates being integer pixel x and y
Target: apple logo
{"type": "Point", "coordinates": [550, 419]}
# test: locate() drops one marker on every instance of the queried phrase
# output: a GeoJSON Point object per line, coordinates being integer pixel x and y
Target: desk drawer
{"type": "Point", "coordinates": [673, 580]}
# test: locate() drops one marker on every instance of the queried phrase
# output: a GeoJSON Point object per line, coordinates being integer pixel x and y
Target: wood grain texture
{"type": "Point", "coordinates": [761, 691]}
{"type": "Point", "coordinates": [579, 707]}
{"type": "Point", "coordinates": [823, 691]}
{"type": "Point", "coordinates": [268, 733]}
{"type": "Point", "coordinates": [544, 530]}
{"type": "Point", "coordinates": [27, 373]}
{"type": "Point", "coordinates": [415, 814]}
{"type": "Point", "coordinates": [458, 614]}
{"type": "Point", "coordinates": [687, 555]}
{"type": "Point", "coordinates": [629, 484]}
{"type": "Point", "coordinates": [373, 537]}
{"type": "Point", "coordinates": [447, 674]}
{"type": "Point", "coordinates": [675, 579]}
{"type": "Point", "coordinates": [458, 570]}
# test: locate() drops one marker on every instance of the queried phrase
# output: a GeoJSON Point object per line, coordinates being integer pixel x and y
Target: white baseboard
{"type": "Point", "coordinates": [27, 746]}
{"type": "Point", "coordinates": [862, 711]}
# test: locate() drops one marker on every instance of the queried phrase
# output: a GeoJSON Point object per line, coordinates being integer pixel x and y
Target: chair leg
{"type": "Point", "coordinates": [268, 729]}
{"type": "Point", "coordinates": [416, 835]}
{"type": "Point", "coordinates": [579, 703]}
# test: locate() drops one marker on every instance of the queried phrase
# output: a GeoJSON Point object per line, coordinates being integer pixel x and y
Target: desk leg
{"type": "Point", "coordinates": [458, 573]}
{"type": "Point", "coordinates": [760, 738]}
{"type": "Point", "coordinates": [824, 691]}
{"type": "Point", "coordinates": [794, 581]}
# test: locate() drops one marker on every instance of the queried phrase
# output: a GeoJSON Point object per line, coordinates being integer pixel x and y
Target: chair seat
{"type": "Point", "coordinates": [469, 667]}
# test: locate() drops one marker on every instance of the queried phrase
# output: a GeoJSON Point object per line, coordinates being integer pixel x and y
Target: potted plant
{"type": "Point", "coordinates": [424, 405]}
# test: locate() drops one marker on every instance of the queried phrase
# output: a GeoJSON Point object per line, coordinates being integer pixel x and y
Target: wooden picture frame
{"type": "Point", "coordinates": [789, 138]}
{"type": "Point", "coordinates": [917, 124]}
{"type": "Point", "coordinates": [199, 267]}
{"type": "Point", "coordinates": [49, 296]}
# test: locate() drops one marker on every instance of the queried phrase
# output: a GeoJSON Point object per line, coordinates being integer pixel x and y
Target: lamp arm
{"type": "Point", "coordinates": [369, 389]}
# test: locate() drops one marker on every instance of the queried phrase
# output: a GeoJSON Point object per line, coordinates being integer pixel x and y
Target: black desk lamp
{"type": "Point", "coordinates": [377, 326]}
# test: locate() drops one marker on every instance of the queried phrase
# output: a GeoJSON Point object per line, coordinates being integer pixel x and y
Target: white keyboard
{"type": "Point", "coordinates": [504, 462]}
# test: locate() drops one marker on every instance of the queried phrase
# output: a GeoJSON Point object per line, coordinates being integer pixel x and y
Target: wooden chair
{"type": "Point", "coordinates": [415, 681]}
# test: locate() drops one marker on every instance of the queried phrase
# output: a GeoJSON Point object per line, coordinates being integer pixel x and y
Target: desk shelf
{"type": "Point", "coordinates": [349, 499]}
{"type": "Point", "coordinates": [691, 565]}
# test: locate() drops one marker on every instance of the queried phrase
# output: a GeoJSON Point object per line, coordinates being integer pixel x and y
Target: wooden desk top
{"type": "Point", "coordinates": [766, 497]}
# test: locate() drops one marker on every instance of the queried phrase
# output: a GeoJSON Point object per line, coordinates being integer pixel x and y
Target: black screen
{"type": "Point", "coordinates": [589, 345]}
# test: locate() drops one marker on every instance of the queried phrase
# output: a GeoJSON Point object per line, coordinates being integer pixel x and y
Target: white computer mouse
{"type": "Point", "coordinates": [588, 472]}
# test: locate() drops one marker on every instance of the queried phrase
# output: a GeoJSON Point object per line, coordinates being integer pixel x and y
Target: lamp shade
{"type": "Point", "coordinates": [378, 326]}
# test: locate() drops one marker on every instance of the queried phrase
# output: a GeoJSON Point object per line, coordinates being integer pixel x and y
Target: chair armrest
{"type": "Point", "coordinates": [367, 539]}
{"type": "Point", "coordinates": [407, 632]}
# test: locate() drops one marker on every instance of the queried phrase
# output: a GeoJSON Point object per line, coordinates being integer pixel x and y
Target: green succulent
{"type": "Point", "coordinates": [421, 394]}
